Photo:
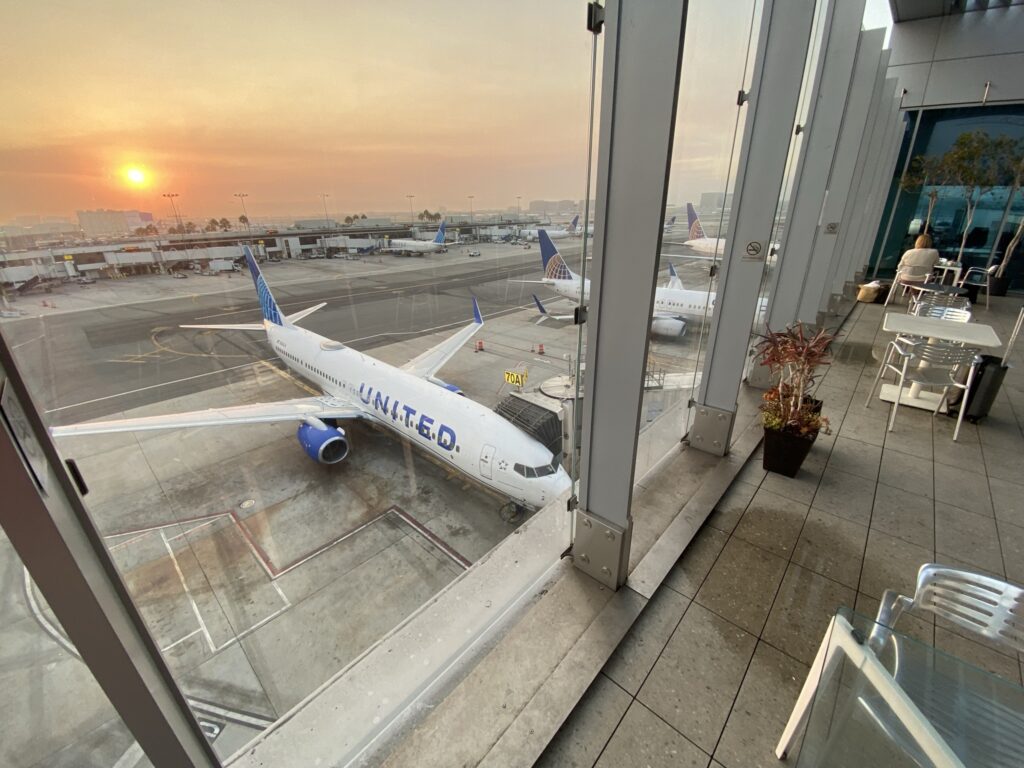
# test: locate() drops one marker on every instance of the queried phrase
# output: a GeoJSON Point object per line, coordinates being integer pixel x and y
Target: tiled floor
{"type": "Point", "coordinates": [709, 673]}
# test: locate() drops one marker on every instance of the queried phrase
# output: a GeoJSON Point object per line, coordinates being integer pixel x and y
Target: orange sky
{"type": "Point", "coordinates": [368, 102]}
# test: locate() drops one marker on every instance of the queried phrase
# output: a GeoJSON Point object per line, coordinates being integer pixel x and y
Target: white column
{"type": "Point", "coordinates": [842, 28]}
{"type": "Point", "coordinates": [643, 47]}
{"type": "Point", "coordinates": [826, 261]}
{"type": "Point", "coordinates": [775, 90]}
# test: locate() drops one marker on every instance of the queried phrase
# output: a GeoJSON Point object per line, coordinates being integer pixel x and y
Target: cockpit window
{"type": "Point", "coordinates": [541, 471]}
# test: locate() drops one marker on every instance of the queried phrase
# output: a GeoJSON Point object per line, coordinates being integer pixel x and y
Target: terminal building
{"type": "Point", "coordinates": [790, 534]}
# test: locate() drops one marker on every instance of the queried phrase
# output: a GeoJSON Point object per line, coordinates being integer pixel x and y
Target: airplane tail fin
{"type": "Point", "coordinates": [693, 222]}
{"type": "Point", "coordinates": [673, 279]}
{"type": "Point", "coordinates": [554, 267]}
{"type": "Point", "coordinates": [574, 225]}
{"type": "Point", "coordinates": [268, 306]}
{"type": "Point", "coordinates": [439, 237]}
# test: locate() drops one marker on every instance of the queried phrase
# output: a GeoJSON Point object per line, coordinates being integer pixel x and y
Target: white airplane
{"type": "Point", "coordinates": [409, 401]}
{"type": "Point", "coordinates": [554, 234]}
{"type": "Point", "coordinates": [409, 245]}
{"type": "Point", "coordinates": [674, 305]}
{"type": "Point", "coordinates": [710, 248]}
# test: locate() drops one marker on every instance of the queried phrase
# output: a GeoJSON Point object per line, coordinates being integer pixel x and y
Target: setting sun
{"type": "Point", "coordinates": [135, 176]}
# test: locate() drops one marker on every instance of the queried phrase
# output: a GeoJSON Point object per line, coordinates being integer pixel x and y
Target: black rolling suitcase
{"type": "Point", "coordinates": [988, 378]}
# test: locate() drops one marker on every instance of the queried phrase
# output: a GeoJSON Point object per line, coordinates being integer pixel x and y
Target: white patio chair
{"type": "Point", "coordinates": [973, 601]}
{"type": "Point", "coordinates": [908, 276]}
{"type": "Point", "coordinates": [937, 300]}
{"type": "Point", "coordinates": [981, 277]}
{"type": "Point", "coordinates": [930, 364]}
{"type": "Point", "coordinates": [940, 312]}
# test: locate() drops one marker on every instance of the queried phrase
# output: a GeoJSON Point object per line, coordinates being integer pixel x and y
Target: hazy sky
{"type": "Point", "coordinates": [368, 102]}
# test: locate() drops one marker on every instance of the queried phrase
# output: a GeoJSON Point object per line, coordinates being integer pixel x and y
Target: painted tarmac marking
{"type": "Point", "coordinates": [188, 593]}
{"type": "Point", "coordinates": [193, 633]}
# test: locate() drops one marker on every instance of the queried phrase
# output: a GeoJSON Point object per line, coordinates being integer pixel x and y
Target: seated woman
{"type": "Point", "coordinates": [916, 264]}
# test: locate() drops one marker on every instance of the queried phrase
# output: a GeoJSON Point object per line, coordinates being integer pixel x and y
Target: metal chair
{"type": "Point", "coordinates": [906, 277]}
{"type": "Point", "coordinates": [938, 300]}
{"type": "Point", "coordinates": [935, 364]}
{"type": "Point", "coordinates": [982, 604]}
{"type": "Point", "coordinates": [982, 278]}
{"type": "Point", "coordinates": [940, 312]}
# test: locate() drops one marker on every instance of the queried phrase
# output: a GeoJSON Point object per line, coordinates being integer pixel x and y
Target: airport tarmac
{"type": "Point", "coordinates": [260, 573]}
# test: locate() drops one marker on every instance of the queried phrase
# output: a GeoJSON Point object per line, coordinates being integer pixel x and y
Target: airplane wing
{"type": "Point", "coordinates": [293, 318]}
{"type": "Point", "coordinates": [257, 413]}
{"type": "Point", "coordinates": [235, 327]}
{"type": "Point", "coordinates": [694, 256]}
{"type": "Point", "coordinates": [428, 363]}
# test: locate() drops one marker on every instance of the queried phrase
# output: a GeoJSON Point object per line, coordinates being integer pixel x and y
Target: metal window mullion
{"type": "Point", "coordinates": [46, 523]}
{"type": "Point", "coordinates": [643, 49]}
{"type": "Point", "coordinates": [844, 165]}
{"type": "Point", "coordinates": [783, 44]}
{"type": "Point", "coordinates": [808, 198]}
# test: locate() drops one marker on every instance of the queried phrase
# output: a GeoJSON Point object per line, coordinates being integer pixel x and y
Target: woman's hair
{"type": "Point", "coordinates": [923, 241]}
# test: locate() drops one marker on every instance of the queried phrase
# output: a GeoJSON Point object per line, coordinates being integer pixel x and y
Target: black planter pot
{"type": "Point", "coordinates": [785, 452]}
{"type": "Point", "coordinates": [999, 285]}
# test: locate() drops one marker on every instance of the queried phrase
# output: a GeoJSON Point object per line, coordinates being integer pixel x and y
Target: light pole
{"type": "Point", "coordinates": [471, 208]}
{"type": "Point", "coordinates": [519, 212]}
{"type": "Point", "coordinates": [324, 196]}
{"type": "Point", "coordinates": [177, 217]}
{"type": "Point", "coordinates": [241, 196]}
{"type": "Point", "coordinates": [412, 218]}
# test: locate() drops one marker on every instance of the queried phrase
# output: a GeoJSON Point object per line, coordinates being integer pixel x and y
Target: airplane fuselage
{"type": "Point", "coordinates": [554, 234]}
{"type": "Point", "coordinates": [405, 245]}
{"type": "Point", "coordinates": [455, 430]}
{"type": "Point", "coordinates": [667, 301]}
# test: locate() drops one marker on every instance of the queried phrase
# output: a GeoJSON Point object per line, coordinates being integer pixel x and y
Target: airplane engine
{"type": "Point", "coordinates": [327, 446]}
{"type": "Point", "coordinates": [673, 327]}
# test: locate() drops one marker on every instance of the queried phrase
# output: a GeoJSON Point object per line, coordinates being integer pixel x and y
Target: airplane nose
{"type": "Point", "coordinates": [562, 482]}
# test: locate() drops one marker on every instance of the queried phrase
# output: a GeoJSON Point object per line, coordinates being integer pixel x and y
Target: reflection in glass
{"type": "Point", "coordinates": [54, 713]}
{"type": "Point", "coordinates": [991, 228]}
{"type": "Point", "coordinates": [709, 128]}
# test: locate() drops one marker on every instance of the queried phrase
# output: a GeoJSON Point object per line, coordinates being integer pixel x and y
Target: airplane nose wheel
{"type": "Point", "coordinates": [511, 513]}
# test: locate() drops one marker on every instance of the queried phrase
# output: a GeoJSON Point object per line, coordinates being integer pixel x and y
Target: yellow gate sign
{"type": "Point", "coordinates": [518, 378]}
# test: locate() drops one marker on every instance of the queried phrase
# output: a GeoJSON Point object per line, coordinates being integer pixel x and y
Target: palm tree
{"type": "Point", "coordinates": [348, 219]}
{"type": "Point", "coordinates": [224, 224]}
{"type": "Point", "coordinates": [244, 220]}
{"type": "Point", "coordinates": [211, 226]}
{"type": "Point", "coordinates": [190, 227]}
{"type": "Point", "coordinates": [362, 216]}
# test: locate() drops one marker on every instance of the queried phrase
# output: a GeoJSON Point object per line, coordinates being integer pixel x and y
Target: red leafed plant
{"type": "Point", "coordinates": [793, 358]}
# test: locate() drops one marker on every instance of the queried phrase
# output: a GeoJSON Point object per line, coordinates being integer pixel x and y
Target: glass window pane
{"type": "Point", "coordinates": [393, 178]}
{"type": "Point", "coordinates": [53, 712]}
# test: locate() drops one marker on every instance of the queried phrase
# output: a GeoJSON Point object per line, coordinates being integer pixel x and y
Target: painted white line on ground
{"type": "Point", "coordinates": [43, 621]}
{"type": "Point", "coordinates": [156, 386]}
{"type": "Point", "coordinates": [193, 633]}
{"type": "Point", "coordinates": [188, 593]}
{"type": "Point", "coordinates": [131, 756]}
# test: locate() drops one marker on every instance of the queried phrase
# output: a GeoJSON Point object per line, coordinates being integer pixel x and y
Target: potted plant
{"type": "Point", "coordinates": [791, 417]}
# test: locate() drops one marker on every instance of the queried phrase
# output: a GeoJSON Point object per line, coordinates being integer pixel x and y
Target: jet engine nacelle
{"type": "Point", "coordinates": [327, 445]}
{"type": "Point", "coordinates": [673, 327]}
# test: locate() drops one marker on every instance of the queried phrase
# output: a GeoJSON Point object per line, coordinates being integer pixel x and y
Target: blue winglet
{"type": "Point", "coordinates": [540, 307]}
{"type": "Point", "coordinates": [477, 317]}
{"type": "Point", "coordinates": [672, 270]}
{"type": "Point", "coordinates": [439, 237]}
